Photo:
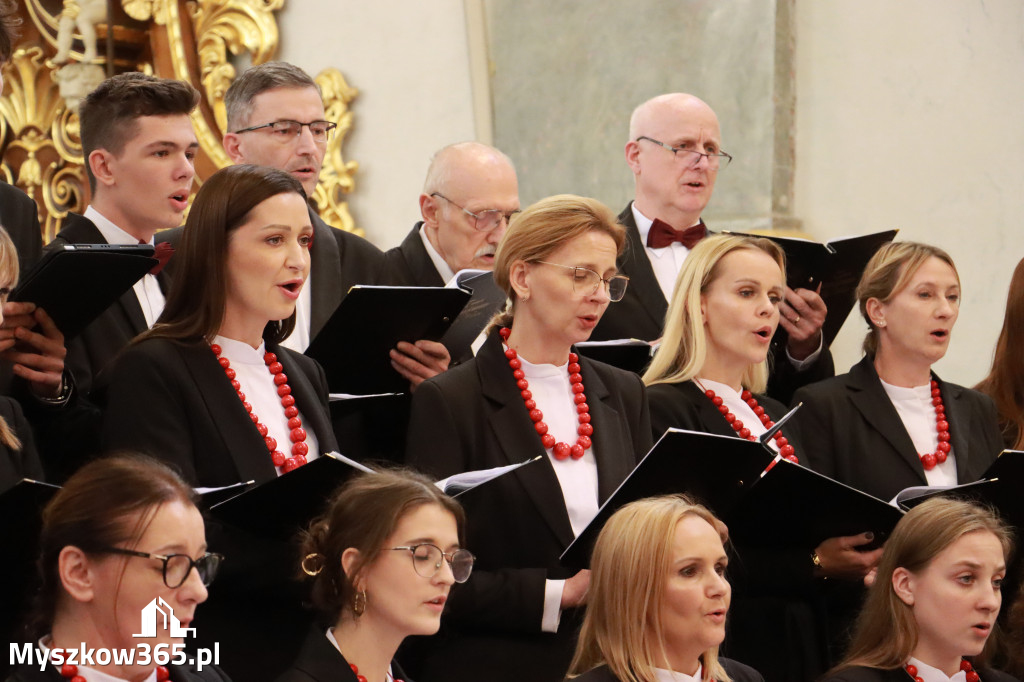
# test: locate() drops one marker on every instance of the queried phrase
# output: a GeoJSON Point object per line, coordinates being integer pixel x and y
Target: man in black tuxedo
{"type": "Point", "coordinates": [276, 118]}
{"type": "Point", "coordinates": [675, 153]}
{"type": "Point", "coordinates": [469, 195]}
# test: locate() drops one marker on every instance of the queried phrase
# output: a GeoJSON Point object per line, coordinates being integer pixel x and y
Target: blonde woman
{"type": "Point", "coordinates": [659, 598]}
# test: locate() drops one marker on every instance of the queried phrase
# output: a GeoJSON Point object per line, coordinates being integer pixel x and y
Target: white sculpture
{"type": "Point", "coordinates": [83, 15]}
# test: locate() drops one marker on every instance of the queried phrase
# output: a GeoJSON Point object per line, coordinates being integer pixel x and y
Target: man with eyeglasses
{"type": "Point", "coordinates": [469, 195]}
{"type": "Point", "coordinates": [675, 153]}
{"type": "Point", "coordinates": [276, 118]}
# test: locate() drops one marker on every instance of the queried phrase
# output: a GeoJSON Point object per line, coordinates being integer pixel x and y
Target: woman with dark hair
{"type": "Point", "coordinates": [935, 598]}
{"type": "Point", "coordinates": [528, 394]}
{"type": "Point", "coordinates": [122, 533]}
{"type": "Point", "coordinates": [891, 423]}
{"type": "Point", "coordinates": [208, 388]}
{"type": "Point", "coordinates": [381, 560]}
{"type": "Point", "coordinates": [658, 597]}
{"type": "Point", "coordinates": [1005, 381]}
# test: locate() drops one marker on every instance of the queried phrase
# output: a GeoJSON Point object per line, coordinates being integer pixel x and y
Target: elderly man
{"type": "Point", "coordinates": [469, 195]}
{"type": "Point", "coordinates": [675, 153]}
{"type": "Point", "coordinates": [276, 118]}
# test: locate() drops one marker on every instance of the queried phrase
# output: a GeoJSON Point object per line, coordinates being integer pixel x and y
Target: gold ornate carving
{"type": "Point", "coordinates": [43, 154]}
{"type": "Point", "coordinates": [336, 177]}
{"type": "Point", "coordinates": [192, 40]}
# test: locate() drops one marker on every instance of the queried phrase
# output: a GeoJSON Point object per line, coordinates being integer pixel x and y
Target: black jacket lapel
{"type": "Point", "coordinates": [959, 418]}
{"type": "Point", "coordinates": [642, 281]}
{"type": "Point", "coordinates": [519, 441]}
{"type": "Point", "coordinates": [870, 398]}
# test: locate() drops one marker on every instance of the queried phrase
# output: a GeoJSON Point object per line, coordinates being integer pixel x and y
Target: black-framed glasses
{"type": "Point", "coordinates": [691, 157]}
{"type": "Point", "coordinates": [586, 281]}
{"type": "Point", "coordinates": [178, 566]}
{"type": "Point", "coordinates": [427, 559]}
{"type": "Point", "coordinates": [286, 130]}
{"type": "Point", "coordinates": [484, 221]}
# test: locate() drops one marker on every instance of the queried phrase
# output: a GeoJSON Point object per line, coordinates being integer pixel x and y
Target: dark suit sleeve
{"type": "Point", "coordinates": [816, 422]}
{"type": "Point", "coordinates": [503, 599]}
{"type": "Point", "coordinates": [784, 379]}
{"type": "Point", "coordinates": [145, 410]}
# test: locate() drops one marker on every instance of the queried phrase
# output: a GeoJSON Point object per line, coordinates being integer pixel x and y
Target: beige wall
{"type": "Point", "coordinates": [908, 114]}
{"type": "Point", "coordinates": [410, 61]}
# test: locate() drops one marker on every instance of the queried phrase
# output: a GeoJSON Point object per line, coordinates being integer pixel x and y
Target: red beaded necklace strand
{"type": "Point", "coordinates": [928, 461]}
{"type": "Point", "coordinates": [298, 434]}
{"type": "Point", "coordinates": [964, 665]}
{"type": "Point", "coordinates": [785, 449]}
{"type": "Point", "coordinates": [362, 678]}
{"type": "Point", "coordinates": [560, 451]}
{"type": "Point", "coordinates": [70, 672]}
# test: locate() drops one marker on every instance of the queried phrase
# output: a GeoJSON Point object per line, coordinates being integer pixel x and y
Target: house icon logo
{"type": "Point", "coordinates": [158, 611]}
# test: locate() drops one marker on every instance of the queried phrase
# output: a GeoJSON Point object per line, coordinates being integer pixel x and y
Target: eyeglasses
{"type": "Point", "coordinates": [427, 558]}
{"type": "Point", "coordinates": [286, 131]}
{"type": "Point", "coordinates": [691, 157]}
{"type": "Point", "coordinates": [484, 221]}
{"type": "Point", "coordinates": [178, 566]}
{"type": "Point", "coordinates": [586, 281]}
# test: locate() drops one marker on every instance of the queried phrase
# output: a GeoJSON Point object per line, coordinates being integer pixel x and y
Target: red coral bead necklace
{"type": "Point", "coordinates": [70, 672]}
{"type": "Point", "coordinates": [785, 449]}
{"type": "Point", "coordinates": [585, 429]}
{"type": "Point", "coordinates": [964, 665]}
{"type": "Point", "coordinates": [931, 459]}
{"type": "Point", "coordinates": [297, 434]}
{"type": "Point", "coordinates": [362, 678]}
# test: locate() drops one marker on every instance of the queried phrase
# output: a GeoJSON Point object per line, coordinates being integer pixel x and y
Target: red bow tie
{"type": "Point", "coordinates": [163, 252]}
{"type": "Point", "coordinates": [662, 234]}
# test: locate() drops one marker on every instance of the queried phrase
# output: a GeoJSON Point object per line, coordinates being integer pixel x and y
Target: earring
{"type": "Point", "coordinates": [312, 564]}
{"type": "Point", "coordinates": [524, 298]}
{"type": "Point", "coordinates": [359, 603]}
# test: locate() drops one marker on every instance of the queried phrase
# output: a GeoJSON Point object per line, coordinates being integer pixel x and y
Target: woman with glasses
{"type": "Point", "coordinates": [123, 534]}
{"type": "Point", "coordinates": [659, 597]}
{"type": "Point", "coordinates": [527, 394]}
{"type": "Point", "coordinates": [935, 599]}
{"type": "Point", "coordinates": [381, 560]}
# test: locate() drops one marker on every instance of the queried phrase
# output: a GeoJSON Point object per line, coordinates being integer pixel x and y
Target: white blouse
{"type": "Point", "coordinates": [914, 406]}
{"type": "Point", "coordinates": [257, 383]}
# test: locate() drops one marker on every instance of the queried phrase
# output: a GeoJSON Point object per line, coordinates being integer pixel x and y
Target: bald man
{"type": "Point", "coordinates": [469, 195]}
{"type": "Point", "coordinates": [675, 153]}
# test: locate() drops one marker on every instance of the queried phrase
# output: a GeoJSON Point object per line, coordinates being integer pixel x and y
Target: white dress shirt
{"type": "Point", "coordinates": [914, 406]}
{"type": "Point", "coordinates": [666, 261]}
{"type": "Point", "coordinates": [147, 289]}
{"type": "Point", "coordinates": [257, 383]}
{"type": "Point", "coordinates": [930, 674]}
{"type": "Point", "coordinates": [439, 262]}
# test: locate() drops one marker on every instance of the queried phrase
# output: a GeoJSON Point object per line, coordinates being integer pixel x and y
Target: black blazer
{"type": "Point", "coordinates": [32, 673]}
{"type": "Point", "coordinates": [774, 621]}
{"type": "Point", "coordinates": [472, 417]}
{"type": "Point", "coordinates": [852, 433]}
{"type": "Point", "coordinates": [641, 315]}
{"type": "Point", "coordinates": [862, 674]}
{"type": "Point", "coordinates": [19, 215]}
{"type": "Point", "coordinates": [95, 348]}
{"type": "Point", "coordinates": [17, 464]}
{"type": "Point", "coordinates": [409, 264]}
{"type": "Point", "coordinates": [319, 661]}
{"type": "Point", "coordinates": [173, 401]}
{"type": "Point", "coordinates": [737, 671]}
{"type": "Point", "coordinates": [338, 260]}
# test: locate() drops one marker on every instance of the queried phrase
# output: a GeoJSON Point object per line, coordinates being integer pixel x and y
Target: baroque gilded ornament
{"type": "Point", "coordinates": [191, 40]}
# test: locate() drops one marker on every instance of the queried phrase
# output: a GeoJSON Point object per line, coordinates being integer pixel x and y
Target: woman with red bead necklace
{"type": "Point", "coordinates": [891, 423]}
{"type": "Point", "coordinates": [527, 394]}
{"type": "Point", "coordinates": [381, 560]}
{"type": "Point", "coordinates": [935, 599]}
{"type": "Point", "coordinates": [708, 375]}
{"type": "Point", "coordinates": [122, 532]}
{"type": "Point", "coordinates": [209, 390]}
